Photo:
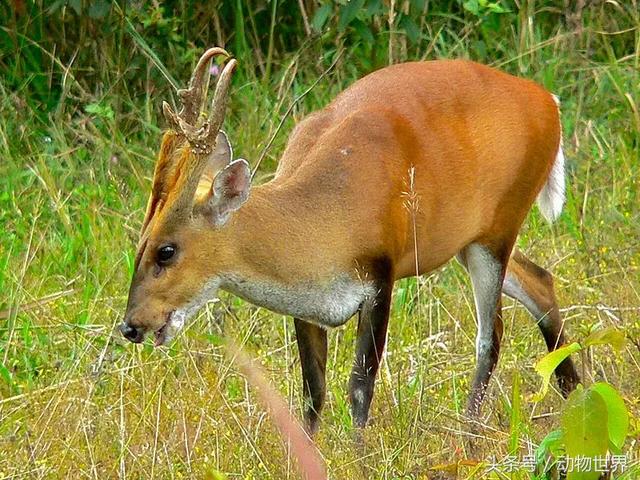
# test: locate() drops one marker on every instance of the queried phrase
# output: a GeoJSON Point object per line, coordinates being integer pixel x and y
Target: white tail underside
{"type": "Point", "coordinates": [551, 197]}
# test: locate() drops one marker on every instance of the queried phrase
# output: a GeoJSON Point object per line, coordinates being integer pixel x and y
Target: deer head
{"type": "Point", "coordinates": [196, 188]}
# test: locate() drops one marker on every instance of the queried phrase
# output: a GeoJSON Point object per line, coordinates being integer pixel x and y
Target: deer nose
{"type": "Point", "coordinates": [133, 334]}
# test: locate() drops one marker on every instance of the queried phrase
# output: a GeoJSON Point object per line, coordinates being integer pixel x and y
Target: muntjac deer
{"type": "Point", "coordinates": [331, 233]}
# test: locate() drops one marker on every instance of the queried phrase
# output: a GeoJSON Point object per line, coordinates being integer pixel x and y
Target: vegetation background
{"type": "Point", "coordinates": [81, 84]}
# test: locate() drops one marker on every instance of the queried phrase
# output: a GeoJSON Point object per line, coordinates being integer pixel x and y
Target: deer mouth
{"type": "Point", "coordinates": [161, 333]}
{"type": "Point", "coordinates": [175, 321]}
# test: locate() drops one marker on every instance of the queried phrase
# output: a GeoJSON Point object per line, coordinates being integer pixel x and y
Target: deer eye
{"type": "Point", "coordinates": [165, 253]}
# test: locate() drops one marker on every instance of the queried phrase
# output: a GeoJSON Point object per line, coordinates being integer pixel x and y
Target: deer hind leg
{"type": "Point", "coordinates": [486, 269]}
{"type": "Point", "coordinates": [532, 286]}
{"type": "Point", "coordinates": [312, 347]}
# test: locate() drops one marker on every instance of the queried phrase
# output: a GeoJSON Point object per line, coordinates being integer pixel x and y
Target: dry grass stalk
{"type": "Point", "coordinates": [310, 462]}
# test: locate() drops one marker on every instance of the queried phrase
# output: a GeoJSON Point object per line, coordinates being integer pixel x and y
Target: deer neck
{"type": "Point", "coordinates": [281, 262]}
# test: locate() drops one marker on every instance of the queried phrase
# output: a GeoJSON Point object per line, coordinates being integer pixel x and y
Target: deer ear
{"type": "Point", "coordinates": [229, 191]}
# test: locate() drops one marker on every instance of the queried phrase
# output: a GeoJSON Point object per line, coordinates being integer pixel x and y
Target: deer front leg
{"type": "Point", "coordinates": [312, 347]}
{"type": "Point", "coordinates": [372, 332]}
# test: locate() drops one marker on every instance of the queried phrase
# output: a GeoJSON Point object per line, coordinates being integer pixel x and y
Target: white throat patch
{"type": "Point", "coordinates": [328, 305]}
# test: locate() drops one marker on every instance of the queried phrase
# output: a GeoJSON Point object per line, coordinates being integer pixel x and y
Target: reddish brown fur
{"type": "Point", "coordinates": [481, 156]}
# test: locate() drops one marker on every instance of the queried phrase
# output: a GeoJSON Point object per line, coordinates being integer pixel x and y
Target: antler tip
{"type": "Point", "coordinates": [168, 114]}
{"type": "Point", "coordinates": [213, 51]}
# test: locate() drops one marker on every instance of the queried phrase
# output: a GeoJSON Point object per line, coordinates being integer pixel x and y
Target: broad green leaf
{"type": "Point", "coordinates": [410, 28]}
{"type": "Point", "coordinates": [321, 16]}
{"type": "Point", "coordinates": [374, 7]}
{"type": "Point", "coordinates": [584, 430]}
{"type": "Point", "coordinates": [363, 31]}
{"type": "Point", "coordinates": [490, 22]}
{"type": "Point", "coordinates": [76, 5]}
{"type": "Point", "coordinates": [617, 415]}
{"type": "Point", "coordinates": [417, 6]}
{"type": "Point", "coordinates": [472, 6]}
{"type": "Point", "coordinates": [607, 336]}
{"type": "Point", "coordinates": [348, 12]}
{"type": "Point", "coordinates": [547, 365]}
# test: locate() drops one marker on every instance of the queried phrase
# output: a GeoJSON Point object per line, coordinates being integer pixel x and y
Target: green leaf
{"type": "Point", "coordinates": [76, 5]}
{"type": "Point", "coordinates": [363, 31]}
{"type": "Point", "coordinates": [490, 23]}
{"type": "Point", "coordinates": [100, 110]}
{"type": "Point", "coordinates": [213, 474]}
{"type": "Point", "coordinates": [99, 9]}
{"type": "Point", "coordinates": [410, 28]}
{"type": "Point", "coordinates": [495, 7]}
{"type": "Point", "coordinates": [215, 339]}
{"type": "Point", "coordinates": [607, 336]}
{"type": "Point", "coordinates": [401, 295]}
{"type": "Point", "coordinates": [472, 6]}
{"type": "Point", "coordinates": [348, 13]}
{"type": "Point", "coordinates": [584, 430]}
{"type": "Point", "coordinates": [375, 7]}
{"type": "Point", "coordinates": [130, 260]}
{"type": "Point", "coordinates": [55, 6]}
{"type": "Point", "coordinates": [515, 424]}
{"type": "Point", "coordinates": [6, 375]}
{"type": "Point", "coordinates": [547, 365]}
{"type": "Point", "coordinates": [617, 414]}
{"type": "Point", "coordinates": [552, 444]}
{"type": "Point", "coordinates": [417, 6]}
{"type": "Point", "coordinates": [321, 16]}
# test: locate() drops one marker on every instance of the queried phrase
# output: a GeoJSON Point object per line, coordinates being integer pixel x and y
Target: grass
{"type": "Point", "coordinates": [76, 401]}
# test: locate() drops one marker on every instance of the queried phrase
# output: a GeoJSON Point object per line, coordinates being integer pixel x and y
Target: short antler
{"type": "Point", "coordinates": [191, 97]}
{"type": "Point", "coordinates": [201, 138]}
